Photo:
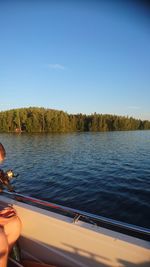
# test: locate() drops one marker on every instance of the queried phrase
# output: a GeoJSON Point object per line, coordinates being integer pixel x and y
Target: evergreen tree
{"type": "Point", "coordinates": [48, 120]}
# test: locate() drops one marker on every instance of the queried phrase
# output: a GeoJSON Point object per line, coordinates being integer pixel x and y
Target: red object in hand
{"type": "Point", "coordinates": [7, 212]}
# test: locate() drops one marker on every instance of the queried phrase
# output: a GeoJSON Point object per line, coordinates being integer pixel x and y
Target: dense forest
{"type": "Point", "coordinates": [36, 120]}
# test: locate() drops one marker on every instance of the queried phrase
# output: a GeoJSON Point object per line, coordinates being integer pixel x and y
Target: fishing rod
{"type": "Point", "coordinates": [5, 178]}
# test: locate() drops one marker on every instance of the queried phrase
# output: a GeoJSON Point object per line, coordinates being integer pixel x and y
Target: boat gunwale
{"type": "Point", "coordinates": [123, 227]}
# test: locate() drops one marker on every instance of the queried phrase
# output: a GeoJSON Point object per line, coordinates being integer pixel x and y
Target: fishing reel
{"type": "Point", "coordinates": [5, 178]}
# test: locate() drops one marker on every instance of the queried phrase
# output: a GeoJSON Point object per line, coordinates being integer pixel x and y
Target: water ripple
{"type": "Point", "coordinates": [103, 173]}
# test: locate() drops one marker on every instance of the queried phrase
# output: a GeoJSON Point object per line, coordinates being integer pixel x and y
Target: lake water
{"type": "Point", "coordinates": [103, 173]}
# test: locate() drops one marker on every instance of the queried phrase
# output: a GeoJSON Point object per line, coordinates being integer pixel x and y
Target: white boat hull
{"type": "Point", "coordinates": [53, 238]}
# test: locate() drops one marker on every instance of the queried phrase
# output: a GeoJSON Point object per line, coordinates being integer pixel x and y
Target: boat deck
{"type": "Point", "coordinates": [13, 263]}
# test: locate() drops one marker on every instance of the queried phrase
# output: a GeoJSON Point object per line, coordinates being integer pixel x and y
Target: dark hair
{"type": "Point", "coordinates": [2, 151]}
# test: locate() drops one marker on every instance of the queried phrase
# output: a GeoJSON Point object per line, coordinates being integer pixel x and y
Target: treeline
{"type": "Point", "coordinates": [37, 120]}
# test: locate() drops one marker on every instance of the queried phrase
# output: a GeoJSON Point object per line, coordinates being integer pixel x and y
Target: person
{"type": "Point", "coordinates": [2, 153]}
{"type": "Point", "coordinates": [10, 225]}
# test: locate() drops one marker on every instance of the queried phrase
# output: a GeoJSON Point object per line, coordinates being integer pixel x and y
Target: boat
{"type": "Point", "coordinates": [64, 237]}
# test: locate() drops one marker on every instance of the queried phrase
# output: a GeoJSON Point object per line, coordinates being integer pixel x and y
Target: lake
{"type": "Point", "coordinates": [103, 173]}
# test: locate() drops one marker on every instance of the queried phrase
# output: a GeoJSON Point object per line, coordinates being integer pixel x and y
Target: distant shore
{"type": "Point", "coordinates": [41, 120]}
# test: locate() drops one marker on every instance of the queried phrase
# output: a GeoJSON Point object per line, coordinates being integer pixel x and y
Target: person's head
{"type": "Point", "coordinates": [2, 153]}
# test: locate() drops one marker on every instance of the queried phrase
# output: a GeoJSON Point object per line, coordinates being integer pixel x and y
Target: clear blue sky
{"type": "Point", "coordinates": [76, 56]}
